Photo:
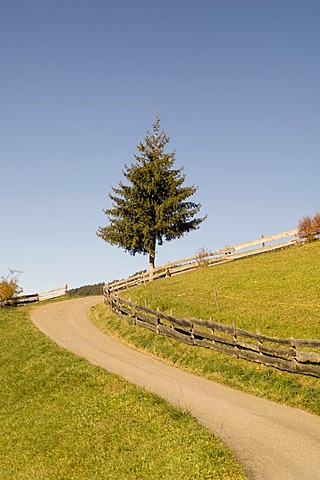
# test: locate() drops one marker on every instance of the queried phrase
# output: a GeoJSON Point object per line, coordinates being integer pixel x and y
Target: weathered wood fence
{"type": "Point", "coordinates": [54, 293]}
{"type": "Point", "coordinates": [35, 297]}
{"type": "Point", "coordinates": [288, 354]}
{"type": "Point", "coordinates": [227, 254]}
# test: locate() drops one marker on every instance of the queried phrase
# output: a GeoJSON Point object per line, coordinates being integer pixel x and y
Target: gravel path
{"type": "Point", "coordinates": [272, 441]}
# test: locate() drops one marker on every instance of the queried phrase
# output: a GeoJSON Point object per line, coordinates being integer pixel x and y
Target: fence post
{"type": "Point", "coordinates": [106, 294]}
{"type": "Point", "coordinates": [235, 334]}
{"type": "Point", "coordinates": [294, 347]}
{"type": "Point", "coordinates": [158, 321]}
{"type": "Point", "coordinates": [192, 332]}
{"type": "Point", "coordinates": [212, 329]}
{"type": "Point", "coordinates": [260, 344]}
{"type": "Point", "coordinates": [134, 318]}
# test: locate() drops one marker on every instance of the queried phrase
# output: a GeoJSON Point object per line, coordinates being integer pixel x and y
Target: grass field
{"type": "Point", "coordinates": [277, 292]}
{"type": "Point", "coordinates": [62, 418]}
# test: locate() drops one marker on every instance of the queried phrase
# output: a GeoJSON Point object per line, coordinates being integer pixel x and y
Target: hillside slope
{"type": "Point", "coordinates": [278, 292]}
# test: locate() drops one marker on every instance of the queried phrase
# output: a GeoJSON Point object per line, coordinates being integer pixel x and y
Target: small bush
{"type": "Point", "coordinates": [309, 228]}
{"type": "Point", "coordinates": [9, 287]}
{"type": "Point", "coordinates": [316, 224]}
{"type": "Point", "coordinates": [202, 257]}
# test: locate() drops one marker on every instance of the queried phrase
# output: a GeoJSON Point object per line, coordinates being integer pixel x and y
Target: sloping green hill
{"type": "Point", "coordinates": [278, 292]}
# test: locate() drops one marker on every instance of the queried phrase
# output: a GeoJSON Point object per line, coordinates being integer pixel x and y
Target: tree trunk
{"type": "Point", "coordinates": [152, 256]}
{"type": "Point", "coordinates": [151, 261]}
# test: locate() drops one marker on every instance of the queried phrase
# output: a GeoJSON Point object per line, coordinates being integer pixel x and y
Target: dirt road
{"type": "Point", "coordinates": [272, 441]}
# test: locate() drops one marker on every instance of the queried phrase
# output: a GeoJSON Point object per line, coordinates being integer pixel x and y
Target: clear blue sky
{"type": "Point", "coordinates": [235, 82]}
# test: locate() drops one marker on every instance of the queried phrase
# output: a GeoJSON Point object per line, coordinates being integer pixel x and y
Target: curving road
{"type": "Point", "coordinates": [272, 441]}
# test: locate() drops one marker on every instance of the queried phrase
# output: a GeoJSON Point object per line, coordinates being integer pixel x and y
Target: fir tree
{"type": "Point", "coordinates": [152, 206]}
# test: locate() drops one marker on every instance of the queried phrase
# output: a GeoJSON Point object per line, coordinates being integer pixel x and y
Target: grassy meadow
{"type": "Point", "coordinates": [63, 418]}
{"type": "Point", "coordinates": [278, 292]}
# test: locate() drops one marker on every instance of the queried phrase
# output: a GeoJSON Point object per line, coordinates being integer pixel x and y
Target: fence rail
{"type": "Point", "coordinates": [227, 254]}
{"type": "Point", "coordinates": [288, 354]}
{"type": "Point", "coordinates": [35, 297]}
{"type": "Point", "coordinates": [20, 300]}
{"type": "Point", "coordinates": [54, 293]}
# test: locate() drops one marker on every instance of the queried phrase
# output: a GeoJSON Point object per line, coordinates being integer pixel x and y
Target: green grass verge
{"type": "Point", "coordinates": [277, 292]}
{"type": "Point", "coordinates": [63, 418]}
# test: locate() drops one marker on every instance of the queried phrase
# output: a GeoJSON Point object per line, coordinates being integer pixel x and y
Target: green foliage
{"type": "Point", "coordinates": [153, 206]}
{"type": "Point", "coordinates": [63, 418]}
{"type": "Point", "coordinates": [86, 290]}
{"type": "Point", "coordinates": [9, 287]}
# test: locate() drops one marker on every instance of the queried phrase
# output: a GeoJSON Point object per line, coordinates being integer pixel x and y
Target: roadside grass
{"type": "Point", "coordinates": [63, 418]}
{"type": "Point", "coordinates": [278, 292]}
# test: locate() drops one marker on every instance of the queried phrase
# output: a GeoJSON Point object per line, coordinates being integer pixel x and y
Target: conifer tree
{"type": "Point", "coordinates": [152, 205]}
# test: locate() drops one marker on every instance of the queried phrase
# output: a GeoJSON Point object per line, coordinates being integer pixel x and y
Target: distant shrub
{"type": "Point", "coordinates": [9, 287]}
{"type": "Point", "coordinates": [305, 229]}
{"type": "Point", "coordinates": [202, 257]}
{"type": "Point", "coordinates": [316, 223]}
{"type": "Point", "coordinates": [309, 228]}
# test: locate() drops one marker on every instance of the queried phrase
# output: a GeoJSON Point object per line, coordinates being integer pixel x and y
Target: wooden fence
{"type": "Point", "coordinates": [227, 254]}
{"type": "Point", "coordinates": [291, 355]}
{"type": "Point", "coordinates": [35, 297]}
{"type": "Point", "coordinates": [54, 293]}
